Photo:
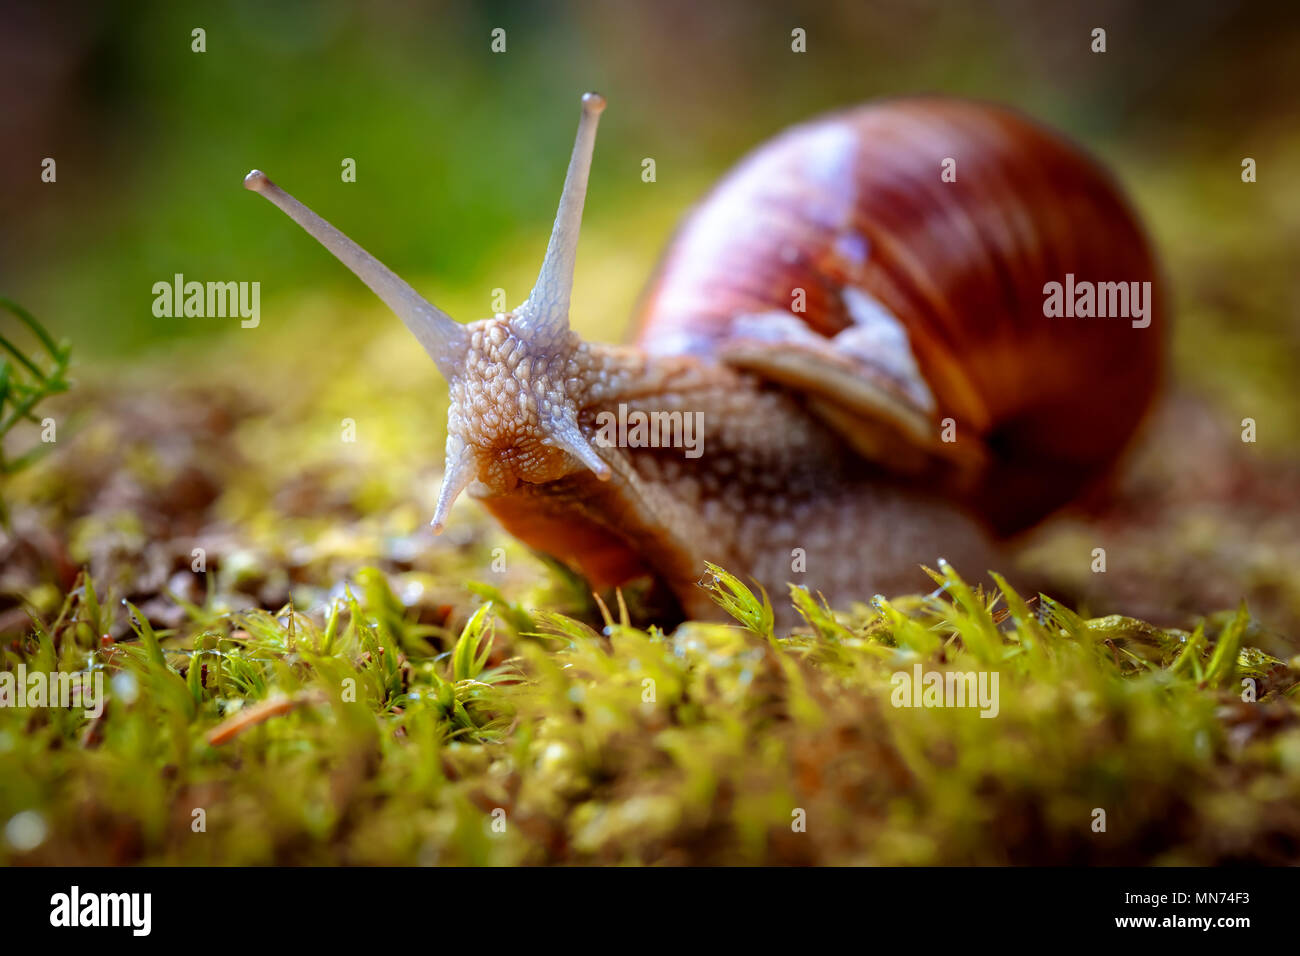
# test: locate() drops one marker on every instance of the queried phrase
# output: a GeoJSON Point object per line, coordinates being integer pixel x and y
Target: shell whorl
{"type": "Point", "coordinates": [855, 201]}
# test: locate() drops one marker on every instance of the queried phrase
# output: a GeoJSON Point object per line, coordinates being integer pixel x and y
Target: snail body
{"type": "Point", "coordinates": [863, 337]}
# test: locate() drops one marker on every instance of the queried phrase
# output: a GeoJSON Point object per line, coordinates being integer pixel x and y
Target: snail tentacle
{"type": "Point", "coordinates": [442, 337]}
{"type": "Point", "coordinates": [544, 318]}
{"type": "Point", "coordinates": [458, 472]}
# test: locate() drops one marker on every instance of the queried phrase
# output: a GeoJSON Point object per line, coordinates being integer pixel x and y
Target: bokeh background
{"type": "Point", "coordinates": [460, 151]}
{"type": "Point", "coordinates": [460, 154]}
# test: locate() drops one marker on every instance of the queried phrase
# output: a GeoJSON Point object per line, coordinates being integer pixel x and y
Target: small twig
{"type": "Point", "coordinates": [277, 706]}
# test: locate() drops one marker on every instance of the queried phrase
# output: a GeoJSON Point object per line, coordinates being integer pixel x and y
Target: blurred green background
{"type": "Point", "coordinates": [460, 152]}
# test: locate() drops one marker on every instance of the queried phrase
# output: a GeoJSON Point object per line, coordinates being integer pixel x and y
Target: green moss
{"type": "Point", "coordinates": [530, 737]}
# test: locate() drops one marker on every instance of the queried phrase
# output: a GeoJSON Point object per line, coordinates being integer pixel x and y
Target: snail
{"type": "Point", "coordinates": [862, 333]}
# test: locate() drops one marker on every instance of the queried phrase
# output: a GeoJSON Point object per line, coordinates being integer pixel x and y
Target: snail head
{"type": "Point", "coordinates": [513, 417]}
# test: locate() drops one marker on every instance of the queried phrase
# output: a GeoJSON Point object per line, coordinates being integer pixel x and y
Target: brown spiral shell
{"type": "Point", "coordinates": [855, 199]}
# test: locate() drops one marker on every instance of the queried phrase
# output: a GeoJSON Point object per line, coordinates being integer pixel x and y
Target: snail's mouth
{"type": "Point", "coordinates": [496, 475]}
{"type": "Point", "coordinates": [499, 456]}
{"type": "Point", "coordinates": [488, 468]}
{"type": "Point", "coordinates": [504, 469]}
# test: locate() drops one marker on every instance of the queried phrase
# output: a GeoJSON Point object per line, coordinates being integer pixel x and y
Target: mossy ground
{"type": "Point", "coordinates": [392, 741]}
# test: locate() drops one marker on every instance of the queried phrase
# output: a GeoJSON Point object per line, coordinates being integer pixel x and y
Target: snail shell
{"type": "Point", "coordinates": [940, 287]}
